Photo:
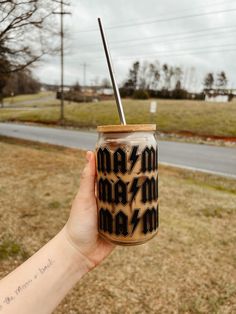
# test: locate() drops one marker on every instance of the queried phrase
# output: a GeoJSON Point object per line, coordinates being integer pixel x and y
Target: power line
{"type": "Point", "coordinates": [190, 37]}
{"type": "Point", "coordinates": [197, 7]}
{"type": "Point", "coordinates": [119, 26]}
{"type": "Point", "coordinates": [181, 50]}
{"type": "Point", "coordinates": [166, 51]}
{"type": "Point", "coordinates": [170, 52]}
{"type": "Point", "coordinates": [192, 8]}
{"type": "Point", "coordinates": [202, 30]}
{"type": "Point", "coordinates": [172, 18]}
{"type": "Point", "coordinates": [195, 52]}
{"type": "Point", "coordinates": [177, 40]}
{"type": "Point", "coordinates": [186, 54]}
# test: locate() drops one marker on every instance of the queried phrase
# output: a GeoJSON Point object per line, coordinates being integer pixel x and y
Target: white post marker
{"type": "Point", "coordinates": [153, 107]}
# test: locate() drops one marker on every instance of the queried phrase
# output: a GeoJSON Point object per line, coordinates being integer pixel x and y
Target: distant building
{"type": "Point", "coordinates": [99, 92]}
{"type": "Point", "coordinates": [105, 91]}
{"type": "Point", "coordinates": [86, 93]}
{"type": "Point", "coordinates": [219, 95]}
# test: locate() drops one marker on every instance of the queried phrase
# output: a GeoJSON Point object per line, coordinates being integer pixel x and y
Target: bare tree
{"type": "Point", "coordinates": [4, 68]}
{"type": "Point", "coordinates": [154, 75]}
{"type": "Point", "coordinates": [25, 31]}
{"type": "Point", "coordinates": [177, 76]}
{"type": "Point", "coordinates": [21, 82]}
{"type": "Point", "coordinates": [143, 76]}
{"type": "Point", "coordinates": [208, 80]}
{"type": "Point", "coordinates": [25, 34]}
{"type": "Point", "coordinates": [133, 74]}
{"type": "Point", "coordinates": [168, 72]}
{"type": "Point", "coordinates": [221, 80]}
{"type": "Point", "coordinates": [106, 83]}
{"type": "Point", "coordinates": [192, 79]}
{"type": "Point", "coordinates": [77, 87]}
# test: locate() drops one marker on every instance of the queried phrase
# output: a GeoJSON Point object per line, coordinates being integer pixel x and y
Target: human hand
{"type": "Point", "coordinates": [81, 228]}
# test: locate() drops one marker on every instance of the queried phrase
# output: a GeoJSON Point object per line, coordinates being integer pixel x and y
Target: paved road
{"type": "Point", "coordinates": [211, 159]}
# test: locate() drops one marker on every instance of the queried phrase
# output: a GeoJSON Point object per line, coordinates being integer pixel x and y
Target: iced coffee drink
{"type": "Point", "coordinates": [127, 183]}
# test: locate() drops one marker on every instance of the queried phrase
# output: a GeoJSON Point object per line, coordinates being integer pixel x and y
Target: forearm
{"type": "Point", "coordinates": [38, 285]}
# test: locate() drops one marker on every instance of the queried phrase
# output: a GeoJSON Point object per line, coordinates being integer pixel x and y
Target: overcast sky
{"type": "Point", "coordinates": [199, 35]}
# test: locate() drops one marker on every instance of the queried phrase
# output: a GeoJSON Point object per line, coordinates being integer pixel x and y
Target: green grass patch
{"type": "Point", "coordinates": [54, 205]}
{"type": "Point", "coordinates": [193, 117]}
{"type": "Point", "coordinates": [27, 97]}
{"type": "Point", "coordinates": [11, 248]}
{"type": "Point", "coordinates": [204, 180]}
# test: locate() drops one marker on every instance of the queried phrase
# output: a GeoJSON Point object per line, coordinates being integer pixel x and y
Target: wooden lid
{"type": "Point", "coordinates": [126, 128]}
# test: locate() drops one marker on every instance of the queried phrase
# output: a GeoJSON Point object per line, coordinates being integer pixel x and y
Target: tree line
{"type": "Point", "coordinates": [219, 80]}
{"type": "Point", "coordinates": [151, 79]}
{"type": "Point", "coordinates": [21, 82]}
{"type": "Point", "coordinates": [26, 28]}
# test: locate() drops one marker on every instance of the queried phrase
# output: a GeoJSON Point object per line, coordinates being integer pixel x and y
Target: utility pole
{"type": "Point", "coordinates": [84, 65]}
{"type": "Point", "coordinates": [62, 13]}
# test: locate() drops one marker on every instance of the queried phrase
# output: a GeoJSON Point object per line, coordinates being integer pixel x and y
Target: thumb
{"type": "Point", "coordinates": [87, 184]}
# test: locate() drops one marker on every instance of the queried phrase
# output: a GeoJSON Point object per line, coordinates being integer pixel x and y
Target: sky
{"type": "Point", "coordinates": [198, 35]}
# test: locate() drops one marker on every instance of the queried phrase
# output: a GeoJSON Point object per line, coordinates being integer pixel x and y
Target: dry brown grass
{"type": "Point", "coordinates": [190, 267]}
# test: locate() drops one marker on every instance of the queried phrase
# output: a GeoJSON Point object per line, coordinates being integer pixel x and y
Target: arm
{"type": "Point", "coordinates": [39, 284]}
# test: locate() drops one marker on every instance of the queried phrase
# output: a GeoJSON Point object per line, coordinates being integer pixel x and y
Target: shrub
{"type": "Point", "coordinates": [140, 94]}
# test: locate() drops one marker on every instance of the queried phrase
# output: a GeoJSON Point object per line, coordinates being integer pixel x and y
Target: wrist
{"type": "Point", "coordinates": [79, 260]}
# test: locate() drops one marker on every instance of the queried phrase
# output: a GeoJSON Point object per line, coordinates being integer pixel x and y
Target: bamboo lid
{"type": "Point", "coordinates": [126, 128]}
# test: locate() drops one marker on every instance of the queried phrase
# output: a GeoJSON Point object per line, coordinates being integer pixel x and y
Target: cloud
{"type": "Point", "coordinates": [209, 50]}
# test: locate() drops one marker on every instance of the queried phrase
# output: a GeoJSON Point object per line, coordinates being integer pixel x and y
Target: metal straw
{"type": "Point", "coordinates": [114, 84]}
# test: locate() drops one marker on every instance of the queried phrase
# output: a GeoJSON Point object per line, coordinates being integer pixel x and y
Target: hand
{"type": "Point", "coordinates": [81, 228]}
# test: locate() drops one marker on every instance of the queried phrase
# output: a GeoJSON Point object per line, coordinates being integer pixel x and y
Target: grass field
{"type": "Point", "coordinates": [187, 117]}
{"type": "Point", "coordinates": [190, 267]}
{"type": "Point", "coordinates": [27, 97]}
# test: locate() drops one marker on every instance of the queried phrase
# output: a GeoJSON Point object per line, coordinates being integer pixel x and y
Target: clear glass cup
{"type": "Point", "coordinates": [127, 183]}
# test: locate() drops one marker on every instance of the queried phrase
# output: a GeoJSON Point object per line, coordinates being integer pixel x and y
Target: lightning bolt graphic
{"type": "Point", "coordinates": [135, 219]}
{"type": "Point", "coordinates": [134, 189]}
{"type": "Point", "coordinates": [133, 157]}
